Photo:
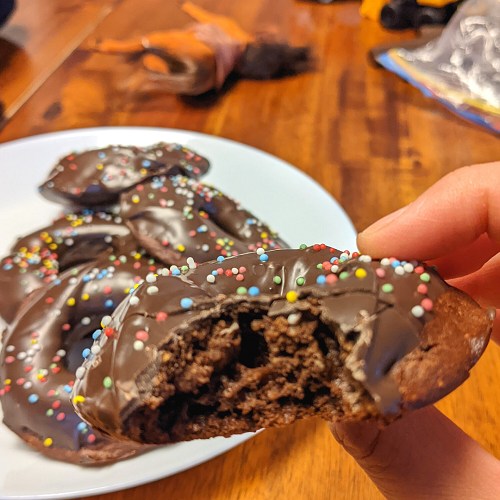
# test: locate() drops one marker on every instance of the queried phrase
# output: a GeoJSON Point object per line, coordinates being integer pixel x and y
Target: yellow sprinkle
{"type": "Point", "coordinates": [23, 249]}
{"type": "Point", "coordinates": [360, 273]}
{"type": "Point", "coordinates": [181, 248]}
{"type": "Point", "coordinates": [263, 235]}
{"type": "Point", "coordinates": [44, 234]}
{"type": "Point", "coordinates": [143, 171]}
{"type": "Point", "coordinates": [48, 240]}
{"type": "Point", "coordinates": [291, 296]}
{"type": "Point", "coordinates": [136, 285]}
{"type": "Point", "coordinates": [34, 341]}
{"type": "Point", "coordinates": [264, 246]}
{"type": "Point", "coordinates": [53, 246]}
{"type": "Point", "coordinates": [78, 399]}
{"type": "Point", "coordinates": [137, 256]}
{"type": "Point", "coordinates": [47, 442]}
{"type": "Point", "coordinates": [99, 166]}
{"type": "Point", "coordinates": [71, 301]}
{"type": "Point", "coordinates": [127, 290]}
{"type": "Point", "coordinates": [85, 296]}
{"type": "Point", "coordinates": [136, 198]}
{"type": "Point", "coordinates": [7, 381]}
{"type": "Point", "coordinates": [36, 249]}
{"type": "Point", "coordinates": [39, 376]}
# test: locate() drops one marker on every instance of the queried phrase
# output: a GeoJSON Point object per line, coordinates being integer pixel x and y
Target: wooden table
{"type": "Point", "coordinates": [372, 140]}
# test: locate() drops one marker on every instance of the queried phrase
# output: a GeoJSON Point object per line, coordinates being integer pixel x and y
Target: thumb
{"type": "Point", "coordinates": [422, 456]}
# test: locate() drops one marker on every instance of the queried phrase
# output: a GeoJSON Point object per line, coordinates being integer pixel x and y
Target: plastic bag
{"type": "Point", "coordinates": [461, 68]}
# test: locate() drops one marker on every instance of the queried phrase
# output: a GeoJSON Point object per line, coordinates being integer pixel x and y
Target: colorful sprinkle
{"type": "Point", "coordinates": [277, 280]}
{"type": "Point", "coordinates": [186, 303]}
{"type": "Point", "coordinates": [291, 296]}
{"type": "Point", "coordinates": [360, 273]}
{"type": "Point", "coordinates": [387, 288]}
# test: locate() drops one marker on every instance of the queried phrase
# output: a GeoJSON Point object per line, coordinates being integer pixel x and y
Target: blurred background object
{"type": "Point", "coordinates": [6, 9]}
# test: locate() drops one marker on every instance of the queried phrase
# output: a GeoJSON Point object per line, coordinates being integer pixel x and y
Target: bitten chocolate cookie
{"type": "Point", "coordinates": [37, 259]}
{"type": "Point", "coordinates": [45, 345]}
{"type": "Point", "coordinates": [98, 177]}
{"type": "Point", "coordinates": [178, 217]}
{"type": "Point", "coordinates": [267, 338]}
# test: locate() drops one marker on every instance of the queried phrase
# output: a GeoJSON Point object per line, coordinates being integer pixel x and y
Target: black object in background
{"type": "Point", "coordinates": [6, 9]}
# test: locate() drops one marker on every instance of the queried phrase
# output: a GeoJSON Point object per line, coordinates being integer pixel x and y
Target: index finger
{"type": "Point", "coordinates": [451, 214]}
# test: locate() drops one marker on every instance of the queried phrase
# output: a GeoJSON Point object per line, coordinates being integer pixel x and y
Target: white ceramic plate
{"type": "Point", "coordinates": [279, 194]}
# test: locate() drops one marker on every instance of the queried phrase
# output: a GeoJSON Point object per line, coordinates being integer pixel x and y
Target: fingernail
{"type": "Point", "coordinates": [384, 222]}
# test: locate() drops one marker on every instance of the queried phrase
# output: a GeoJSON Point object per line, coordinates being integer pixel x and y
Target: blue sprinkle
{"type": "Point", "coordinates": [146, 163]}
{"type": "Point", "coordinates": [215, 273]}
{"type": "Point", "coordinates": [32, 398]}
{"type": "Point", "coordinates": [396, 263]}
{"type": "Point", "coordinates": [104, 272]}
{"type": "Point", "coordinates": [99, 276]}
{"type": "Point", "coordinates": [96, 334]}
{"type": "Point", "coordinates": [202, 229]}
{"type": "Point", "coordinates": [263, 257]}
{"type": "Point", "coordinates": [321, 279]}
{"type": "Point", "coordinates": [57, 282]}
{"type": "Point", "coordinates": [108, 303]}
{"type": "Point", "coordinates": [176, 272]}
{"type": "Point", "coordinates": [253, 290]}
{"type": "Point", "coordinates": [67, 388]}
{"type": "Point", "coordinates": [250, 222]}
{"type": "Point", "coordinates": [86, 352]}
{"type": "Point", "coordinates": [81, 426]}
{"type": "Point", "coordinates": [403, 262]}
{"type": "Point", "coordinates": [101, 155]}
{"type": "Point", "coordinates": [220, 258]}
{"type": "Point", "coordinates": [332, 260]}
{"type": "Point", "coordinates": [86, 278]}
{"type": "Point", "coordinates": [186, 303]}
{"type": "Point", "coordinates": [7, 267]}
{"type": "Point", "coordinates": [57, 233]}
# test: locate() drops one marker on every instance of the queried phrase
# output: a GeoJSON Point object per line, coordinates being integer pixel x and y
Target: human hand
{"type": "Point", "coordinates": [456, 226]}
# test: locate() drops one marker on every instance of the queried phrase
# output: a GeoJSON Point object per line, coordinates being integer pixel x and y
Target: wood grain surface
{"type": "Point", "coordinates": [374, 142]}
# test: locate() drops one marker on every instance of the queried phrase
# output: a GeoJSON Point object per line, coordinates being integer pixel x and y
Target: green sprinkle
{"type": "Point", "coordinates": [344, 275]}
{"type": "Point", "coordinates": [151, 196]}
{"type": "Point", "coordinates": [189, 216]}
{"type": "Point", "coordinates": [184, 269]}
{"type": "Point", "coordinates": [49, 412]}
{"type": "Point", "coordinates": [84, 431]}
{"type": "Point", "coordinates": [107, 382]}
{"type": "Point", "coordinates": [112, 257]}
{"type": "Point", "coordinates": [425, 277]}
{"type": "Point", "coordinates": [319, 266]}
{"type": "Point", "coordinates": [302, 247]}
{"type": "Point", "coordinates": [52, 366]}
{"type": "Point", "coordinates": [56, 394]}
{"type": "Point", "coordinates": [123, 259]}
{"type": "Point", "coordinates": [151, 262]}
{"type": "Point", "coordinates": [241, 290]}
{"type": "Point", "coordinates": [300, 281]}
{"type": "Point", "coordinates": [387, 288]}
{"type": "Point", "coordinates": [22, 270]}
{"type": "Point", "coordinates": [277, 280]}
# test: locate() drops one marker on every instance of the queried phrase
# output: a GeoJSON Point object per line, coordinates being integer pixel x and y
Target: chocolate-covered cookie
{"type": "Point", "coordinates": [37, 259]}
{"type": "Point", "coordinates": [178, 217]}
{"type": "Point", "coordinates": [98, 177]}
{"type": "Point", "coordinates": [266, 338]}
{"type": "Point", "coordinates": [45, 345]}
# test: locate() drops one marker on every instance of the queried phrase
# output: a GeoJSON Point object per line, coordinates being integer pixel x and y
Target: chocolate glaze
{"type": "Point", "coordinates": [97, 177]}
{"type": "Point", "coordinates": [175, 217]}
{"type": "Point", "coordinates": [37, 259]}
{"type": "Point", "coordinates": [381, 301]}
{"type": "Point", "coordinates": [43, 348]}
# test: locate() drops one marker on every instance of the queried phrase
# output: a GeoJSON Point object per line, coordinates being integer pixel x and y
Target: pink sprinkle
{"type": "Point", "coordinates": [243, 269]}
{"type": "Point", "coordinates": [108, 289]}
{"type": "Point", "coordinates": [60, 416]}
{"type": "Point", "coordinates": [34, 335]}
{"type": "Point", "coordinates": [137, 265]}
{"type": "Point", "coordinates": [234, 253]}
{"type": "Point", "coordinates": [9, 359]}
{"type": "Point", "coordinates": [392, 259]}
{"type": "Point", "coordinates": [165, 243]}
{"type": "Point", "coordinates": [56, 359]}
{"type": "Point", "coordinates": [20, 381]}
{"type": "Point", "coordinates": [427, 304]}
{"type": "Point", "coordinates": [161, 316]}
{"type": "Point", "coordinates": [140, 187]}
{"type": "Point", "coordinates": [240, 277]}
{"type": "Point", "coordinates": [91, 438]}
{"type": "Point", "coordinates": [422, 289]}
{"type": "Point", "coordinates": [331, 279]}
{"type": "Point", "coordinates": [72, 166]}
{"type": "Point", "coordinates": [51, 393]}
{"type": "Point", "coordinates": [163, 189]}
{"type": "Point", "coordinates": [380, 272]}
{"type": "Point", "coordinates": [163, 202]}
{"type": "Point", "coordinates": [220, 270]}
{"type": "Point", "coordinates": [2, 392]}
{"type": "Point", "coordinates": [419, 269]}
{"type": "Point", "coordinates": [192, 233]}
{"type": "Point", "coordinates": [142, 335]}
{"type": "Point", "coordinates": [66, 327]}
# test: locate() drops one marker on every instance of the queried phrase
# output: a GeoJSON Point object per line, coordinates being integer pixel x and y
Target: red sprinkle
{"type": "Point", "coordinates": [60, 416]}
{"type": "Point", "coordinates": [422, 289]}
{"type": "Point", "coordinates": [228, 272]}
{"type": "Point", "coordinates": [91, 438]}
{"type": "Point", "coordinates": [49, 300]}
{"type": "Point", "coordinates": [66, 327]}
{"type": "Point", "coordinates": [331, 279]}
{"type": "Point", "coordinates": [108, 289]}
{"type": "Point", "coordinates": [20, 381]}
{"type": "Point", "coordinates": [51, 393]}
{"type": "Point", "coordinates": [240, 277]}
{"type": "Point", "coordinates": [140, 187]}
{"type": "Point", "coordinates": [220, 271]}
{"type": "Point", "coordinates": [243, 269]}
{"type": "Point", "coordinates": [427, 304]}
{"type": "Point", "coordinates": [27, 369]}
{"type": "Point", "coordinates": [108, 331]}
{"type": "Point", "coordinates": [56, 405]}
{"type": "Point", "coordinates": [419, 269]}
{"type": "Point", "coordinates": [317, 247]}
{"type": "Point", "coordinates": [161, 316]}
{"type": "Point", "coordinates": [142, 335]}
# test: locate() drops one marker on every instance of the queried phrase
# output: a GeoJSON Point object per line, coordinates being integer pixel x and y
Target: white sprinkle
{"type": "Point", "coordinates": [27, 385]}
{"type": "Point", "coordinates": [173, 268]}
{"type": "Point", "coordinates": [170, 203]}
{"type": "Point", "coordinates": [28, 360]}
{"type": "Point", "coordinates": [235, 270]}
{"type": "Point", "coordinates": [21, 356]}
{"type": "Point", "coordinates": [61, 353]}
{"type": "Point", "coordinates": [31, 352]}
{"type": "Point", "coordinates": [106, 320]}
{"type": "Point", "coordinates": [205, 247]}
{"type": "Point", "coordinates": [164, 272]}
{"type": "Point", "coordinates": [95, 287]}
{"type": "Point", "coordinates": [152, 290]}
{"type": "Point", "coordinates": [399, 270]}
{"type": "Point", "coordinates": [210, 278]}
{"type": "Point", "coordinates": [118, 220]}
{"type": "Point", "coordinates": [293, 319]}
{"type": "Point", "coordinates": [365, 258]}
{"type": "Point", "coordinates": [385, 262]}
{"type": "Point", "coordinates": [10, 348]}
{"type": "Point", "coordinates": [408, 267]}
{"type": "Point", "coordinates": [44, 372]}
{"type": "Point", "coordinates": [69, 242]}
{"type": "Point", "coordinates": [111, 269]}
{"type": "Point", "coordinates": [72, 281]}
{"type": "Point", "coordinates": [151, 278]}
{"type": "Point", "coordinates": [138, 345]}
{"type": "Point", "coordinates": [86, 321]}
{"type": "Point", "coordinates": [37, 347]}
{"type": "Point", "coordinates": [260, 251]}
{"type": "Point", "coordinates": [344, 256]}
{"type": "Point", "coordinates": [134, 300]}
{"type": "Point", "coordinates": [80, 372]}
{"type": "Point", "coordinates": [57, 312]}
{"type": "Point", "coordinates": [334, 268]}
{"type": "Point", "coordinates": [417, 311]}
{"type": "Point", "coordinates": [108, 239]}
{"type": "Point", "coordinates": [95, 349]}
